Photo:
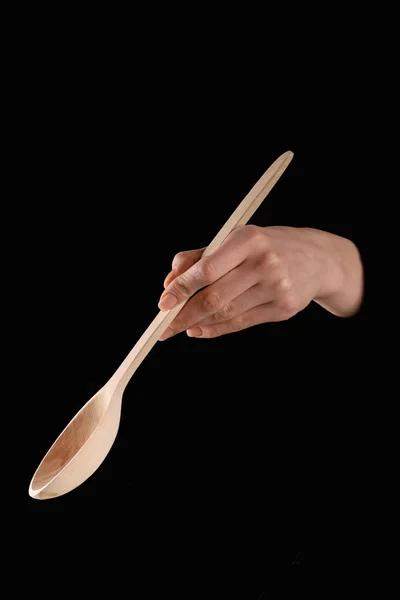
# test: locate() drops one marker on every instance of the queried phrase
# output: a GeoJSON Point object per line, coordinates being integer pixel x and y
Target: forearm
{"type": "Point", "coordinates": [342, 290]}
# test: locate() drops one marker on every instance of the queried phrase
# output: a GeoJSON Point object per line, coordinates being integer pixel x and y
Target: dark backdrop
{"type": "Point", "coordinates": [249, 426]}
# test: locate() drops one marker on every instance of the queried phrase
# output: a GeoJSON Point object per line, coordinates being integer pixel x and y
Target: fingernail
{"type": "Point", "coordinates": [167, 302]}
{"type": "Point", "coordinates": [167, 334]}
{"type": "Point", "coordinates": [195, 332]}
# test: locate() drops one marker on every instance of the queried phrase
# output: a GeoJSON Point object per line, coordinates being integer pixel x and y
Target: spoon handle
{"type": "Point", "coordinates": [239, 217]}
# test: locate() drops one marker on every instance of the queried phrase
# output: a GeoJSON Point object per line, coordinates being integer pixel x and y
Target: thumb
{"type": "Point", "coordinates": [182, 262]}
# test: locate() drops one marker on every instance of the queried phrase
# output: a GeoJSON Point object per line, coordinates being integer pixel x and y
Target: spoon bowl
{"type": "Point", "coordinates": [80, 448]}
{"type": "Point", "coordinates": [83, 445]}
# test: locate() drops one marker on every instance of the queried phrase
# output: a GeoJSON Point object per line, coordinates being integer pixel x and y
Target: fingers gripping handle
{"type": "Point", "coordinates": [239, 217]}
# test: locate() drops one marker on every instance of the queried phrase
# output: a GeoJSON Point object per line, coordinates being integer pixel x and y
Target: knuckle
{"type": "Point", "coordinates": [210, 302]}
{"type": "Point", "coordinates": [181, 287]}
{"type": "Point", "coordinates": [269, 260]}
{"type": "Point", "coordinates": [252, 231]}
{"type": "Point", "coordinates": [272, 259]}
{"type": "Point", "coordinates": [255, 233]}
{"type": "Point", "coordinates": [288, 304]}
{"type": "Point", "coordinates": [282, 284]}
{"type": "Point", "coordinates": [207, 271]}
{"type": "Point", "coordinates": [225, 313]}
{"type": "Point", "coordinates": [180, 258]}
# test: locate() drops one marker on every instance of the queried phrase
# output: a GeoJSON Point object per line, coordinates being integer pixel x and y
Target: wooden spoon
{"type": "Point", "coordinates": [85, 442]}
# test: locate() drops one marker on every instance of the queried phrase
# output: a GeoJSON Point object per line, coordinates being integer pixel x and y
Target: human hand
{"type": "Point", "coordinates": [260, 275]}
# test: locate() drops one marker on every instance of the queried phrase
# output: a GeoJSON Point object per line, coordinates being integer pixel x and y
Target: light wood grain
{"type": "Point", "coordinates": [85, 442]}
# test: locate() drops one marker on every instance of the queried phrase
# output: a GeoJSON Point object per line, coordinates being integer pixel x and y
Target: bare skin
{"type": "Point", "coordinates": [261, 275]}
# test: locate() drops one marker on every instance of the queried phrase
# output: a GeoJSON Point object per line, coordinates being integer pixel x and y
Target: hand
{"type": "Point", "coordinates": [260, 275]}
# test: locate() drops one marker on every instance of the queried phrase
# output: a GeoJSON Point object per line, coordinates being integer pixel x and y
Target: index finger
{"type": "Point", "coordinates": [209, 269]}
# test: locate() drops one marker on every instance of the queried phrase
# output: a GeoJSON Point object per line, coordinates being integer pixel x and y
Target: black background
{"type": "Point", "coordinates": [254, 427]}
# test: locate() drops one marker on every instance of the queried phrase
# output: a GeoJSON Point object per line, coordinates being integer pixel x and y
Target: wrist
{"type": "Point", "coordinates": [341, 289]}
